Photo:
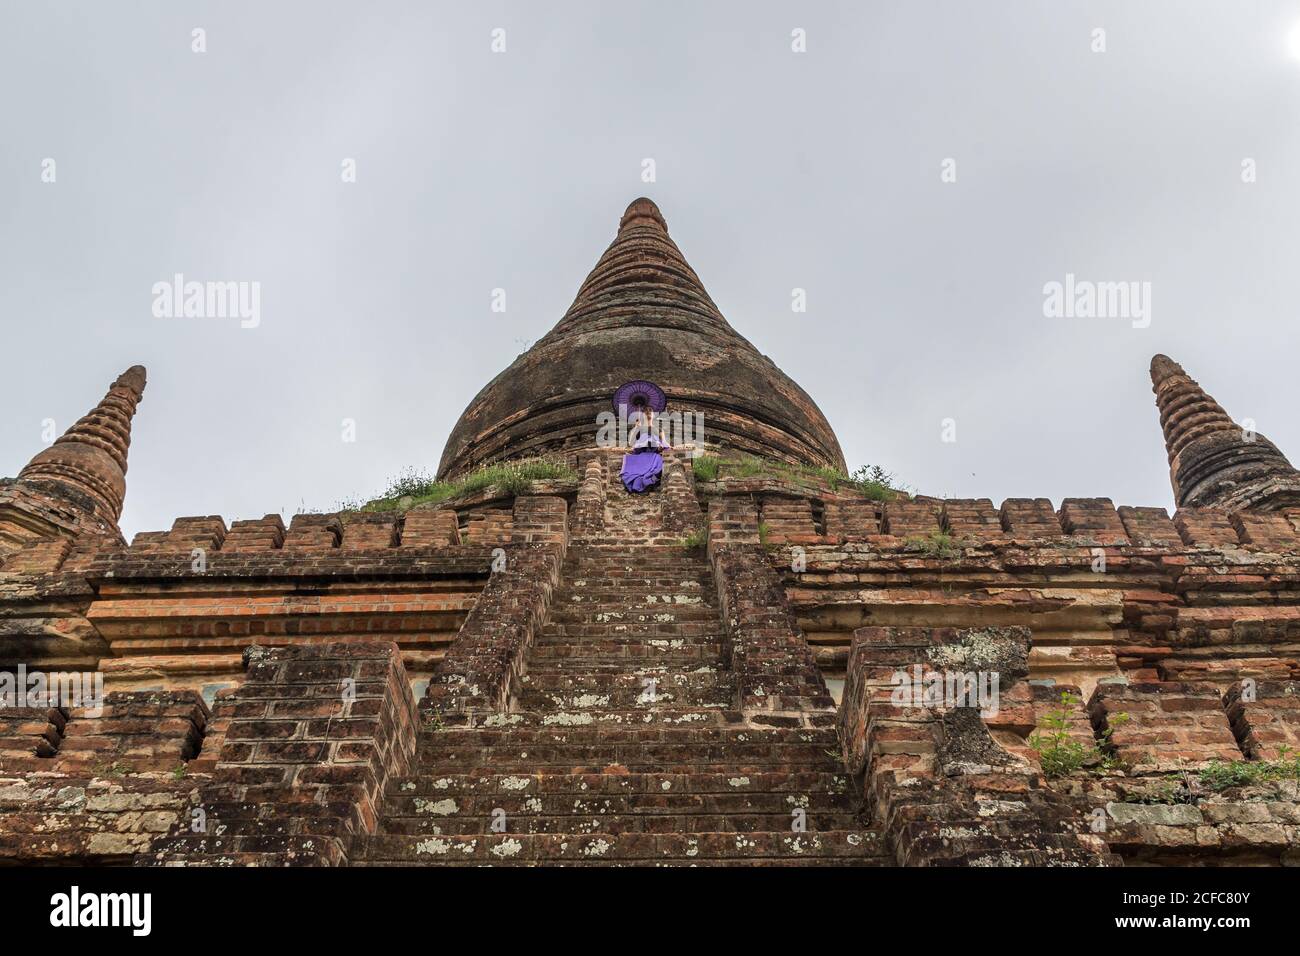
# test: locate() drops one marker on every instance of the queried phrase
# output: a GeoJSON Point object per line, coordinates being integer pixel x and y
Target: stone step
{"type": "Point", "coordinates": [644, 630]}
{"type": "Point", "coordinates": [404, 809]}
{"type": "Point", "coordinates": [599, 613]}
{"type": "Point", "coordinates": [577, 665]}
{"type": "Point", "coordinates": [657, 563]}
{"type": "Point", "coordinates": [573, 679]}
{"type": "Point", "coordinates": [651, 558]}
{"type": "Point", "coordinates": [602, 722]}
{"type": "Point", "coordinates": [720, 727]}
{"type": "Point", "coordinates": [882, 860]}
{"type": "Point", "coordinates": [624, 587]}
{"type": "Point", "coordinates": [260, 851]}
{"type": "Point", "coordinates": [504, 786]}
{"type": "Point", "coordinates": [664, 804]}
{"type": "Point", "coordinates": [835, 847]}
{"type": "Point", "coordinates": [629, 574]}
{"type": "Point", "coordinates": [429, 821]}
{"type": "Point", "coordinates": [626, 652]}
{"type": "Point", "coordinates": [584, 676]}
{"type": "Point", "coordinates": [624, 574]}
{"type": "Point", "coordinates": [663, 589]}
{"type": "Point", "coordinates": [651, 538]}
{"type": "Point", "coordinates": [621, 699]}
{"type": "Point", "coordinates": [666, 757]}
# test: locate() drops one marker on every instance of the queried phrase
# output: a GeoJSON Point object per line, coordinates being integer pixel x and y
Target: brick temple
{"type": "Point", "coordinates": [569, 674]}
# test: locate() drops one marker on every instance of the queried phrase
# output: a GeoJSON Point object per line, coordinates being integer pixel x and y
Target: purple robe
{"type": "Point", "coordinates": [642, 468]}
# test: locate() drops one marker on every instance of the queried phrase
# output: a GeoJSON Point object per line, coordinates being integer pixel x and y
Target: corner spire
{"type": "Point", "coordinates": [1212, 459]}
{"type": "Point", "coordinates": [88, 463]}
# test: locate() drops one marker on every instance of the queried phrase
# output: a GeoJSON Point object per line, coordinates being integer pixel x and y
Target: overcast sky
{"type": "Point", "coordinates": [776, 170]}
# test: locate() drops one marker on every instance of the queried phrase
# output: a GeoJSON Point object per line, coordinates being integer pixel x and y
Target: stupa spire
{"type": "Point", "coordinates": [643, 271]}
{"type": "Point", "coordinates": [1212, 459]}
{"type": "Point", "coordinates": [87, 464]}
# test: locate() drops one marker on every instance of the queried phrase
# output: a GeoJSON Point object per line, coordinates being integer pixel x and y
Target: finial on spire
{"type": "Point", "coordinates": [1163, 367]}
{"type": "Point", "coordinates": [1212, 459]}
{"type": "Point", "coordinates": [133, 378]}
{"type": "Point", "coordinates": [642, 212]}
{"type": "Point", "coordinates": [87, 463]}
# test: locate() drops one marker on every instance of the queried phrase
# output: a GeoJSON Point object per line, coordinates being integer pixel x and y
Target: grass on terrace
{"type": "Point", "coordinates": [871, 480]}
{"type": "Point", "coordinates": [1219, 775]}
{"type": "Point", "coordinates": [414, 487]}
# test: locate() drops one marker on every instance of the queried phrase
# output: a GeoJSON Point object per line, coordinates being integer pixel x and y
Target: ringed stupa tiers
{"type": "Point", "coordinates": [642, 313]}
{"type": "Point", "coordinates": [737, 664]}
{"type": "Point", "coordinates": [1213, 459]}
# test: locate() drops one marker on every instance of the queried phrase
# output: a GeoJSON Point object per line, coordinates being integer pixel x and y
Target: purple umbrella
{"type": "Point", "coordinates": [638, 395]}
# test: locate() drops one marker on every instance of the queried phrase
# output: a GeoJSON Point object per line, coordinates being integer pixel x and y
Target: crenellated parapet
{"type": "Point", "coordinates": [1109, 592]}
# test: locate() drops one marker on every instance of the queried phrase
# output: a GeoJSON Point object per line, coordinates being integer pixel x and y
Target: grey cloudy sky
{"type": "Point", "coordinates": [775, 170]}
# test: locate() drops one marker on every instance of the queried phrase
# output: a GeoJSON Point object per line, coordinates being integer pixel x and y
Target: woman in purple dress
{"type": "Point", "coordinates": [643, 467]}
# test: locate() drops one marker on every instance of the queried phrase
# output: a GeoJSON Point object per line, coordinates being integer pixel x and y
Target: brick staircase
{"type": "Point", "coordinates": [623, 744]}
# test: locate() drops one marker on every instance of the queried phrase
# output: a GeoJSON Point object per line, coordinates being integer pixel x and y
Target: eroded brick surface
{"type": "Point", "coordinates": [1166, 726]}
{"type": "Point", "coordinates": [314, 737]}
{"type": "Point", "coordinates": [1265, 717]}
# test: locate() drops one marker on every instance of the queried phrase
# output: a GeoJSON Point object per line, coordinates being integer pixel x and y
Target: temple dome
{"type": "Point", "coordinates": [642, 313]}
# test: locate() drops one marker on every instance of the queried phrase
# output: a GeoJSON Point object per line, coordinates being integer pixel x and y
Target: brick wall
{"type": "Point", "coordinates": [1265, 717]}
{"type": "Point", "coordinates": [935, 779]}
{"type": "Point", "coordinates": [313, 736]}
{"type": "Point", "coordinates": [681, 506]}
{"type": "Point", "coordinates": [474, 678]}
{"type": "Point", "coordinates": [86, 787]}
{"type": "Point", "coordinates": [775, 670]}
{"type": "Point", "coordinates": [541, 520]}
{"type": "Point", "coordinates": [589, 511]}
{"type": "Point", "coordinates": [1167, 726]}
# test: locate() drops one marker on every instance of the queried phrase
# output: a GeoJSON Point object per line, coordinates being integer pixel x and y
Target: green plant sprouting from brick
{"type": "Point", "coordinates": [696, 540]}
{"type": "Point", "coordinates": [872, 481]}
{"type": "Point", "coordinates": [1223, 775]}
{"type": "Point", "coordinates": [1060, 752]}
{"type": "Point", "coordinates": [413, 488]}
{"type": "Point", "coordinates": [705, 467]}
{"type": "Point", "coordinates": [937, 544]}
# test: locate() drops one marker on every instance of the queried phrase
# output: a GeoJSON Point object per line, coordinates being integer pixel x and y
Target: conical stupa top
{"type": "Point", "coordinates": [1212, 459]}
{"type": "Point", "coordinates": [88, 462]}
{"type": "Point", "coordinates": [644, 258]}
{"type": "Point", "coordinates": [641, 314]}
